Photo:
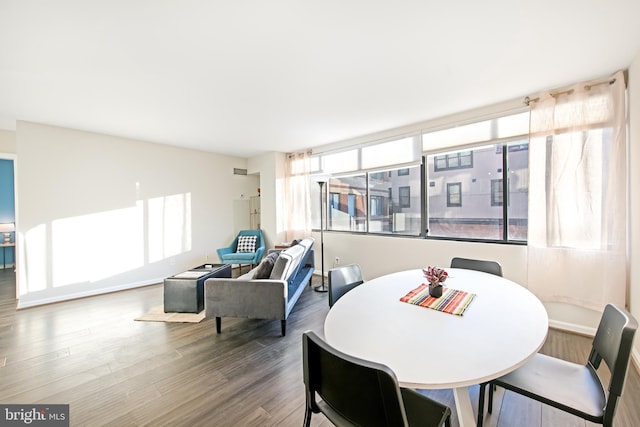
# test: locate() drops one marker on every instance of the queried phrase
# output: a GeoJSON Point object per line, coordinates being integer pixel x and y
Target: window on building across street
{"type": "Point", "coordinates": [496, 192]}
{"type": "Point", "coordinates": [454, 194]}
{"type": "Point", "coordinates": [404, 196]}
{"type": "Point", "coordinates": [458, 160]}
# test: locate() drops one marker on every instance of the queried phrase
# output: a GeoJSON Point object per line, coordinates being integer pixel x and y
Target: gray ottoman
{"type": "Point", "coordinates": [184, 292]}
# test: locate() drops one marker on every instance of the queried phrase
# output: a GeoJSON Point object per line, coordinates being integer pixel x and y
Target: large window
{"type": "Point", "coordinates": [394, 202]}
{"type": "Point", "coordinates": [469, 203]}
{"type": "Point", "coordinates": [376, 202]}
{"type": "Point", "coordinates": [467, 190]}
{"type": "Point", "coordinates": [347, 210]}
{"type": "Point", "coordinates": [462, 193]}
{"type": "Point", "coordinates": [473, 180]}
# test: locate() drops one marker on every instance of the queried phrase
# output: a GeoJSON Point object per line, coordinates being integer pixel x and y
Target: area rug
{"type": "Point", "coordinates": [157, 314]}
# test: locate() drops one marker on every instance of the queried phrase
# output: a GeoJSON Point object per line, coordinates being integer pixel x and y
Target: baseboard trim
{"type": "Point", "coordinates": [572, 327]}
{"type": "Point", "coordinates": [591, 332]}
{"type": "Point", "coordinates": [85, 294]}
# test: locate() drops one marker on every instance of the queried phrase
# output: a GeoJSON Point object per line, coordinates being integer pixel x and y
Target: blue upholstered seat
{"type": "Point", "coordinates": [230, 254]}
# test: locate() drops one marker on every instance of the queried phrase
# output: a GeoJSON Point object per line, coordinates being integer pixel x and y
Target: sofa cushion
{"type": "Point", "coordinates": [281, 266]}
{"type": "Point", "coordinates": [287, 262]}
{"type": "Point", "coordinates": [247, 243]}
{"type": "Point", "coordinates": [236, 258]}
{"type": "Point", "coordinates": [266, 266]}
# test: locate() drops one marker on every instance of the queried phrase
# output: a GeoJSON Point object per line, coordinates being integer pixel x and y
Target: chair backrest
{"type": "Point", "coordinates": [342, 279]}
{"type": "Point", "coordinates": [491, 267]}
{"type": "Point", "coordinates": [353, 391]}
{"type": "Point", "coordinates": [613, 343]}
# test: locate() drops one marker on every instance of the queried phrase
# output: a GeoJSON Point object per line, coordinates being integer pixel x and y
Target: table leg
{"type": "Point", "coordinates": [463, 407]}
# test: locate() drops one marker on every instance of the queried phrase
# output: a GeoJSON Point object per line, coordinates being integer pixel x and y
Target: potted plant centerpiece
{"type": "Point", "coordinates": [436, 277]}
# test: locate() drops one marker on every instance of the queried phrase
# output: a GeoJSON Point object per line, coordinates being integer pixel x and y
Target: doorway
{"type": "Point", "coordinates": [7, 227]}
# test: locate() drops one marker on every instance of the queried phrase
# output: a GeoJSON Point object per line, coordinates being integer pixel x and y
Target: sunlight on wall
{"type": "Point", "coordinates": [35, 251]}
{"type": "Point", "coordinates": [92, 247]}
{"type": "Point", "coordinates": [169, 226]}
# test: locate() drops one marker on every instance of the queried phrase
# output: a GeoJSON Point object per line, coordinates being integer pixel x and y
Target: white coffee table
{"type": "Point", "coordinates": [504, 326]}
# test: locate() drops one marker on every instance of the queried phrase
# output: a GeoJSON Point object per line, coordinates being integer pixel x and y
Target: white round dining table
{"type": "Point", "coordinates": [500, 330]}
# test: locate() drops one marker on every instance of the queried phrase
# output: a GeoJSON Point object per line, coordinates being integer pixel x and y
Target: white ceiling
{"type": "Point", "coordinates": [243, 77]}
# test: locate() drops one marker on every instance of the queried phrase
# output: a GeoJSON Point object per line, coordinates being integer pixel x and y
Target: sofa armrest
{"type": "Point", "coordinates": [260, 298]}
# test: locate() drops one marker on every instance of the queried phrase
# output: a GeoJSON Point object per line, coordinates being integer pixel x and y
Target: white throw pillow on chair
{"type": "Point", "coordinates": [247, 243]}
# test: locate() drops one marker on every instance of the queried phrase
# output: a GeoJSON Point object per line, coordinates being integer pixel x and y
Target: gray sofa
{"type": "Point", "coordinates": [270, 298]}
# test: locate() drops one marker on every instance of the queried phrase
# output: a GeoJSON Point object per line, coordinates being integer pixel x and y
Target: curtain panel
{"type": "Point", "coordinates": [298, 208]}
{"type": "Point", "coordinates": [577, 195]}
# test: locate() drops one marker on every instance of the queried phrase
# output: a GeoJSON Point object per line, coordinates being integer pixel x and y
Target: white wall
{"type": "Point", "coordinates": [634, 202]}
{"type": "Point", "coordinates": [99, 213]}
{"type": "Point", "coordinates": [7, 141]}
{"type": "Point", "coordinates": [380, 255]}
{"type": "Point", "coordinates": [270, 167]}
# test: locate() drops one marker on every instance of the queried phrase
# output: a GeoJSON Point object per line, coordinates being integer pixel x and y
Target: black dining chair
{"type": "Point", "coordinates": [575, 388]}
{"type": "Point", "coordinates": [356, 392]}
{"type": "Point", "coordinates": [491, 267]}
{"type": "Point", "coordinates": [342, 279]}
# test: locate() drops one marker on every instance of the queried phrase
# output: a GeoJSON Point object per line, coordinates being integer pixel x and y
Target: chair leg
{"type": "Point", "coordinates": [309, 410]}
{"type": "Point", "coordinates": [481, 403]}
{"type": "Point", "coordinates": [492, 387]}
{"type": "Point", "coordinates": [307, 416]}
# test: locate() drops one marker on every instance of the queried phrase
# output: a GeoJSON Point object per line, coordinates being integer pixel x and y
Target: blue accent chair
{"type": "Point", "coordinates": [228, 255]}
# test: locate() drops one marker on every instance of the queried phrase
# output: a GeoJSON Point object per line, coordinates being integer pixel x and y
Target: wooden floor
{"type": "Point", "coordinates": [112, 370]}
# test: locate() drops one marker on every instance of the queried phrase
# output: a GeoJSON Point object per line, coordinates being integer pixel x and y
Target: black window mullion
{"type": "Point", "coordinates": [424, 232]}
{"type": "Point", "coordinates": [505, 194]}
{"type": "Point", "coordinates": [368, 199]}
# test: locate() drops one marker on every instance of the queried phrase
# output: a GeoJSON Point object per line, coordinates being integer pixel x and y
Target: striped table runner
{"type": "Point", "coordinates": [452, 301]}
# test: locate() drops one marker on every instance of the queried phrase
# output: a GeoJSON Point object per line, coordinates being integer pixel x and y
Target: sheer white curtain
{"type": "Point", "coordinates": [298, 208]}
{"type": "Point", "coordinates": [577, 195]}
